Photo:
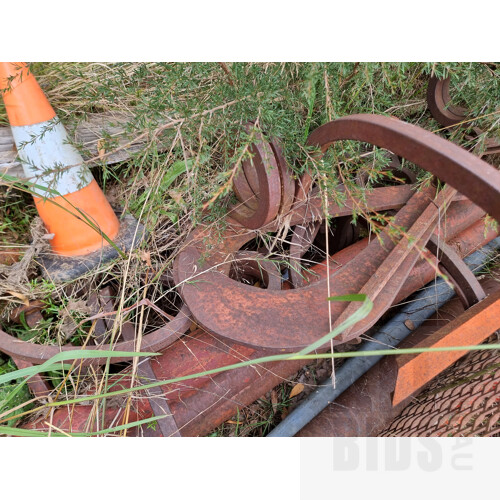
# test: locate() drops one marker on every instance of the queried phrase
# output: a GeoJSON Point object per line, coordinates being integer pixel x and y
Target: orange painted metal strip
{"type": "Point", "coordinates": [73, 236]}
{"type": "Point", "coordinates": [472, 327]}
{"type": "Point", "coordinates": [25, 102]}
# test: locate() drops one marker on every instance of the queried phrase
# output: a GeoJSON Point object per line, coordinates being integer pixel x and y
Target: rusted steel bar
{"type": "Point", "coordinates": [368, 407]}
{"type": "Point", "coordinates": [388, 278]}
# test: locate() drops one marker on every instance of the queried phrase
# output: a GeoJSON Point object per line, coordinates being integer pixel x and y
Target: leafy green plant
{"type": "Point", "coordinates": [12, 393]}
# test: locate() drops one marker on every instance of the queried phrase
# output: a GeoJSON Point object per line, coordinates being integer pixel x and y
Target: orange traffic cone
{"type": "Point", "coordinates": [67, 197]}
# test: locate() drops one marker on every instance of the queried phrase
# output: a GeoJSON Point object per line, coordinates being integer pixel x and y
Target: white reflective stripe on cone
{"type": "Point", "coordinates": [44, 152]}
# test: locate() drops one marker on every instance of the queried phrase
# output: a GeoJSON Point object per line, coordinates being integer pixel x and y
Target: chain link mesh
{"type": "Point", "coordinates": [463, 401]}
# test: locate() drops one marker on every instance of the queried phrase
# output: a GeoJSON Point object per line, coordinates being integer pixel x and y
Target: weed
{"type": "Point", "coordinates": [11, 394]}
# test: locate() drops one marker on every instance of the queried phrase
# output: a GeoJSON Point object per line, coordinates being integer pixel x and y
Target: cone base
{"type": "Point", "coordinates": [64, 217]}
{"type": "Point", "coordinates": [61, 268]}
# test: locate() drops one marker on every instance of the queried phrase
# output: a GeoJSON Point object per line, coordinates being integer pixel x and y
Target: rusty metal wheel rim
{"type": "Point", "coordinates": [439, 102]}
{"type": "Point", "coordinates": [263, 166]}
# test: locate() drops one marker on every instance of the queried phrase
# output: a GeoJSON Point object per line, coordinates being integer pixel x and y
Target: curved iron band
{"type": "Point", "coordinates": [287, 181]}
{"type": "Point", "coordinates": [466, 284]}
{"type": "Point", "coordinates": [152, 342]}
{"type": "Point", "coordinates": [286, 319]}
{"type": "Point", "coordinates": [246, 184]}
{"type": "Point", "coordinates": [269, 189]}
{"type": "Point", "coordinates": [243, 192]}
{"type": "Point", "coordinates": [438, 101]}
{"type": "Point", "coordinates": [470, 175]}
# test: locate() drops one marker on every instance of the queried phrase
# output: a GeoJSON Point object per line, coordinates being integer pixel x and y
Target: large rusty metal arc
{"type": "Point", "coordinates": [471, 176]}
{"type": "Point", "coordinates": [288, 319]}
{"type": "Point", "coordinates": [291, 319]}
{"type": "Point", "coordinates": [152, 342]}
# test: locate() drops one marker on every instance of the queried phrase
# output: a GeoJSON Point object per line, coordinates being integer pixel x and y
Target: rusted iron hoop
{"type": "Point", "coordinates": [470, 175]}
{"type": "Point", "coordinates": [152, 342]}
{"type": "Point", "coordinates": [287, 181]}
{"type": "Point", "coordinates": [439, 102]}
{"type": "Point", "coordinates": [267, 172]}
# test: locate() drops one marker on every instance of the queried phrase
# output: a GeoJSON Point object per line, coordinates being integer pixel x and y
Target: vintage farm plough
{"type": "Point", "coordinates": [289, 311]}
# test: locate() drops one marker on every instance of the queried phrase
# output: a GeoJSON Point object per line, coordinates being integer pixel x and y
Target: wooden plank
{"type": "Point", "coordinates": [86, 133]}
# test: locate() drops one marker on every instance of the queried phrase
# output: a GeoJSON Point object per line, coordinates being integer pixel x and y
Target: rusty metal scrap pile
{"type": "Point", "coordinates": [237, 321]}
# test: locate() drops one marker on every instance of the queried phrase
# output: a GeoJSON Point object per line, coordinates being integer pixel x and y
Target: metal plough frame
{"type": "Point", "coordinates": [293, 319]}
{"type": "Point", "coordinates": [202, 274]}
